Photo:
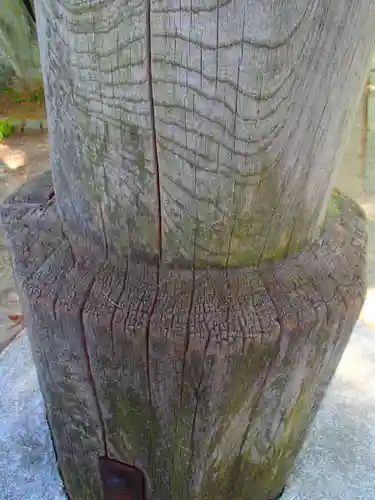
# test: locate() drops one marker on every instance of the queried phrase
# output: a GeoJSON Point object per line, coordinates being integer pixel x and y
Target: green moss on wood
{"type": "Point", "coordinates": [181, 456]}
{"type": "Point", "coordinates": [255, 230]}
{"type": "Point", "coordinates": [129, 426]}
{"type": "Point", "coordinates": [259, 233]}
{"type": "Point", "coordinates": [239, 474]}
{"type": "Point", "coordinates": [135, 434]}
{"type": "Point", "coordinates": [334, 205]}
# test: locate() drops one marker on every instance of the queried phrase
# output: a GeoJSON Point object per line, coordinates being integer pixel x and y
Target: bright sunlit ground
{"type": "Point", "coordinates": [368, 311]}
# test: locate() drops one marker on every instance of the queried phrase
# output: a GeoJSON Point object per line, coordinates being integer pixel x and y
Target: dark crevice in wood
{"type": "Point", "coordinates": [187, 336]}
{"type": "Point", "coordinates": [198, 392]}
{"type": "Point", "coordinates": [65, 236]}
{"type": "Point", "coordinates": [230, 239]}
{"type": "Point", "coordinates": [116, 305]}
{"type": "Point", "coordinates": [51, 195]}
{"type": "Point", "coordinates": [148, 363]}
{"type": "Point", "coordinates": [105, 238]}
{"type": "Point", "coordinates": [85, 297]}
{"type": "Point", "coordinates": [280, 494]}
{"type": "Point", "coordinates": [217, 53]}
{"type": "Point", "coordinates": [53, 305]}
{"type": "Point", "coordinates": [297, 219]}
{"type": "Point", "coordinates": [234, 146]}
{"type": "Point", "coordinates": [30, 8]}
{"type": "Point", "coordinates": [54, 450]}
{"type": "Point", "coordinates": [236, 470]}
{"type": "Point", "coordinates": [155, 154]}
{"type": "Point", "coordinates": [191, 298]}
{"type": "Point", "coordinates": [238, 461]}
{"type": "Point", "coordinates": [274, 210]}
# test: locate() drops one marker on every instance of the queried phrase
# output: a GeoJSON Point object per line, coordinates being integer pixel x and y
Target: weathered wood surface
{"type": "Point", "coordinates": [189, 128]}
{"type": "Point", "coordinates": [207, 380]}
{"type": "Point", "coordinates": [187, 136]}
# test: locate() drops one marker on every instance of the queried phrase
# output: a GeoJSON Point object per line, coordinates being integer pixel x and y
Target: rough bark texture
{"type": "Point", "coordinates": [186, 129]}
{"type": "Point", "coordinates": [206, 381]}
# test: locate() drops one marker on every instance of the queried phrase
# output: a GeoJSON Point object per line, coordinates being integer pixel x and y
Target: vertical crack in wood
{"type": "Point", "coordinates": [297, 219]}
{"type": "Point", "coordinates": [66, 237]}
{"type": "Point", "coordinates": [102, 151]}
{"type": "Point", "coordinates": [190, 309]}
{"type": "Point", "coordinates": [217, 43]}
{"type": "Point", "coordinates": [116, 306]}
{"type": "Point", "coordinates": [155, 155]}
{"type": "Point", "coordinates": [198, 392]}
{"type": "Point", "coordinates": [187, 336]}
{"type": "Point", "coordinates": [56, 294]}
{"type": "Point", "coordinates": [234, 141]}
{"type": "Point", "coordinates": [148, 363]}
{"type": "Point", "coordinates": [273, 211]}
{"type": "Point", "coordinates": [105, 238]}
{"type": "Point", "coordinates": [54, 450]}
{"type": "Point", "coordinates": [236, 470]}
{"type": "Point", "coordinates": [191, 299]}
{"type": "Point", "coordinates": [86, 295]}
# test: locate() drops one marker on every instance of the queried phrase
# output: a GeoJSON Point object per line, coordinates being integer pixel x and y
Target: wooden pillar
{"type": "Point", "coordinates": [188, 282]}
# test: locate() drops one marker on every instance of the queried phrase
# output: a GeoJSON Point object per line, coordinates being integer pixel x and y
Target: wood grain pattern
{"type": "Point", "coordinates": [184, 130]}
{"type": "Point", "coordinates": [206, 380]}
